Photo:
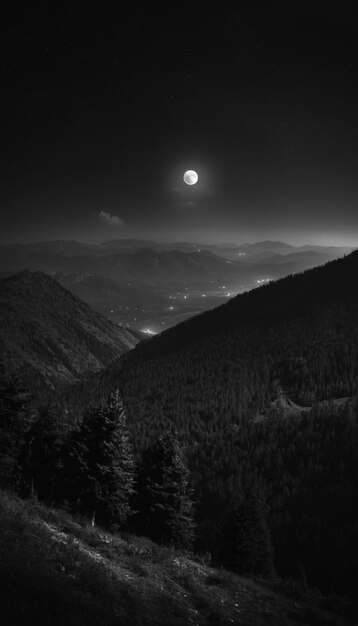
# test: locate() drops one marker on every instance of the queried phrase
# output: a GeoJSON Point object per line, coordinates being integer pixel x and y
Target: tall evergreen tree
{"type": "Point", "coordinates": [16, 417]}
{"type": "Point", "coordinates": [165, 505]}
{"type": "Point", "coordinates": [101, 463]}
{"type": "Point", "coordinates": [40, 461]}
{"type": "Point", "coordinates": [253, 551]}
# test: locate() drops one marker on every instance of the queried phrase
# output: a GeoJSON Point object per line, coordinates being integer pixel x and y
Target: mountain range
{"type": "Point", "coordinates": [132, 281]}
{"type": "Point", "coordinates": [12, 256]}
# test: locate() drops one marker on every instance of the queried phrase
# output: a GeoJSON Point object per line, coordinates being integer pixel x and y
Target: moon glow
{"type": "Point", "coordinates": [190, 177]}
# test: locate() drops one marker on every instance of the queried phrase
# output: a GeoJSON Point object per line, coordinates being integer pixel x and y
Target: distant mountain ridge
{"type": "Point", "coordinates": [141, 260]}
{"type": "Point", "coordinates": [50, 338]}
{"type": "Point", "coordinates": [142, 283]}
{"type": "Point", "coordinates": [143, 266]}
{"type": "Point", "coordinates": [77, 248]}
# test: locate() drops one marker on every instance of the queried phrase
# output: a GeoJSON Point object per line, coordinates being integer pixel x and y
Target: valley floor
{"type": "Point", "coordinates": [56, 571]}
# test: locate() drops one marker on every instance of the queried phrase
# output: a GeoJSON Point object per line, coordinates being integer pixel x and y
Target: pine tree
{"type": "Point", "coordinates": [165, 506]}
{"type": "Point", "coordinates": [102, 461]}
{"type": "Point", "coordinates": [40, 461]}
{"type": "Point", "coordinates": [16, 417]}
{"type": "Point", "coordinates": [253, 551]}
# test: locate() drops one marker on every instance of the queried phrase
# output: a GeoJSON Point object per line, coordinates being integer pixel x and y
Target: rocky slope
{"type": "Point", "coordinates": [55, 571]}
{"type": "Point", "coordinates": [50, 338]}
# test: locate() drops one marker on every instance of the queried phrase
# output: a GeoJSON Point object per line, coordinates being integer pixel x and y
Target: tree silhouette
{"type": "Point", "coordinates": [40, 463]}
{"type": "Point", "coordinates": [16, 417]}
{"type": "Point", "coordinates": [101, 457]}
{"type": "Point", "coordinates": [253, 546]}
{"type": "Point", "coordinates": [165, 505]}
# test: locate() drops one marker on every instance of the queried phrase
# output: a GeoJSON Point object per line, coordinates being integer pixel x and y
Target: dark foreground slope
{"type": "Point", "coordinates": [56, 572]}
{"type": "Point", "coordinates": [50, 338]}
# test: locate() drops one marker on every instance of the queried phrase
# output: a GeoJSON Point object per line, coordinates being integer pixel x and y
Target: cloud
{"type": "Point", "coordinates": [186, 205]}
{"type": "Point", "coordinates": [113, 220]}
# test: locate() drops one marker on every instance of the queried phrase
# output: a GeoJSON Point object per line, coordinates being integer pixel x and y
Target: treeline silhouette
{"type": "Point", "coordinates": [89, 467]}
{"type": "Point", "coordinates": [274, 496]}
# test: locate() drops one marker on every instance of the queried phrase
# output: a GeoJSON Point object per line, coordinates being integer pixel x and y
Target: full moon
{"type": "Point", "coordinates": [190, 177]}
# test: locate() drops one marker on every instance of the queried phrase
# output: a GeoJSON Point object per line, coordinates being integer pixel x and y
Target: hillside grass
{"type": "Point", "coordinates": [57, 571]}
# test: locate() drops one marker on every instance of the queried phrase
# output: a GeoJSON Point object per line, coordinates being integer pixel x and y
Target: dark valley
{"type": "Point", "coordinates": [151, 286]}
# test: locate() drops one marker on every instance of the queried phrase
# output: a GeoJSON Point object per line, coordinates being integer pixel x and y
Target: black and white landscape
{"type": "Point", "coordinates": [179, 314]}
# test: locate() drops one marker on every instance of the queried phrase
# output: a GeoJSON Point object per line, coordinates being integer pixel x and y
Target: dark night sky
{"type": "Point", "coordinates": [106, 105]}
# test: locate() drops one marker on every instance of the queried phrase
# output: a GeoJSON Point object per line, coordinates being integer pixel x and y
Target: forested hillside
{"type": "Point", "coordinates": [291, 298]}
{"type": "Point", "coordinates": [217, 380]}
{"type": "Point", "coordinates": [298, 335]}
{"type": "Point", "coordinates": [49, 338]}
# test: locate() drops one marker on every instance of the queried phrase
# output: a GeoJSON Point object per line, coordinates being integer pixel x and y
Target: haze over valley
{"type": "Point", "coordinates": [150, 286]}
